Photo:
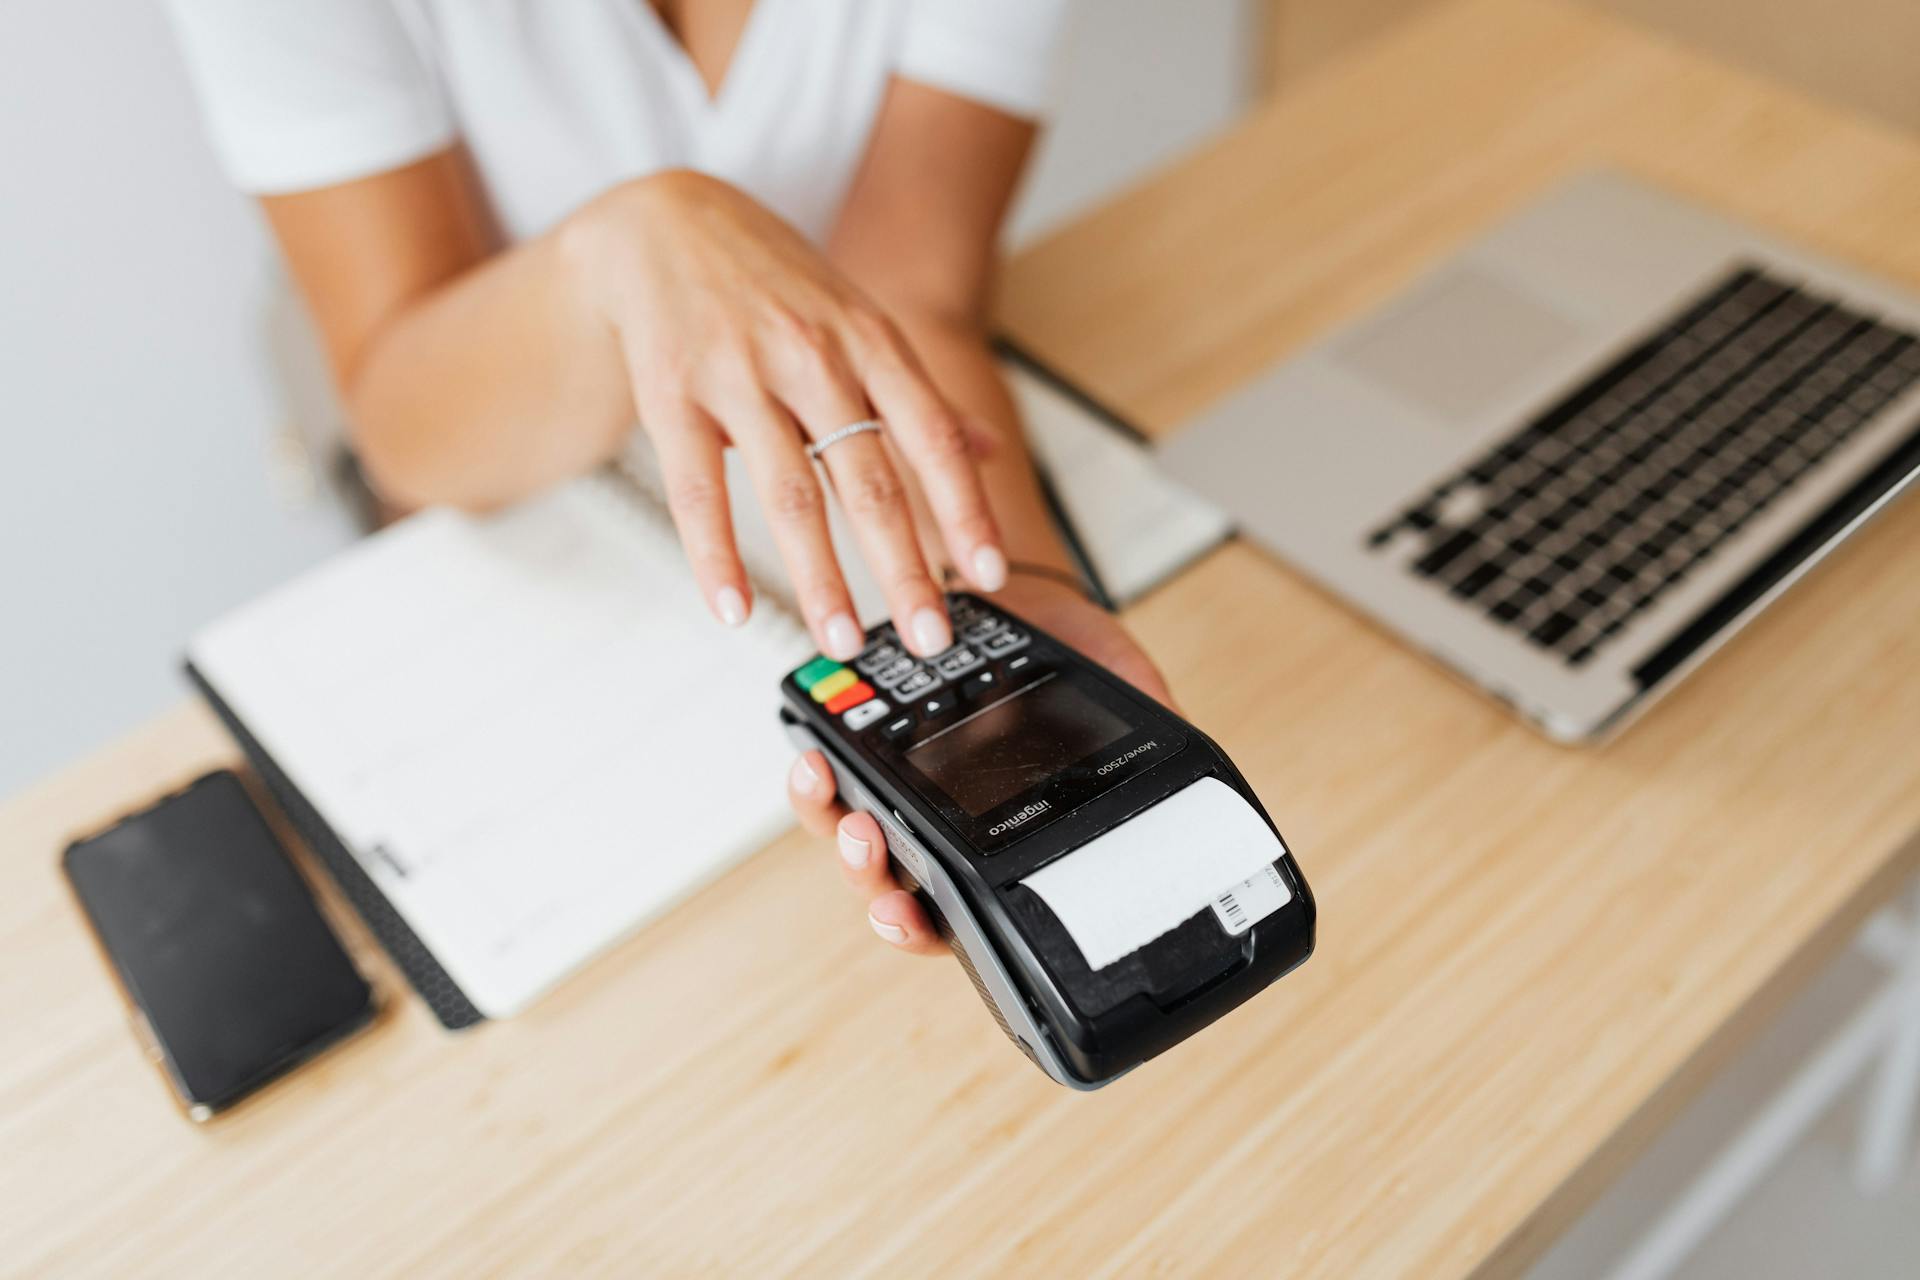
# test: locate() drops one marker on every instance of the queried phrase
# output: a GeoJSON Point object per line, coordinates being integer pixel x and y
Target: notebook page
{"type": "Point", "coordinates": [1139, 525]}
{"type": "Point", "coordinates": [526, 727]}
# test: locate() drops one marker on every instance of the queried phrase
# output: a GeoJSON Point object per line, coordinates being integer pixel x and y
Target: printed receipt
{"type": "Point", "coordinates": [1197, 848]}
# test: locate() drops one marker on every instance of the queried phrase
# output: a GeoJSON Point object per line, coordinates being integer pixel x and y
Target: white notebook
{"type": "Point", "coordinates": [528, 733]}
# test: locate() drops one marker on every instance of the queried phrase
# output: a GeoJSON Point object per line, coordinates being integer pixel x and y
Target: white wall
{"type": "Point", "coordinates": [1142, 82]}
{"type": "Point", "coordinates": [135, 500]}
{"type": "Point", "coordinates": [133, 494]}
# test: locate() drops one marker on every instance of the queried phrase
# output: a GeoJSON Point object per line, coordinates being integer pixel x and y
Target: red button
{"type": "Point", "coordinates": [852, 696]}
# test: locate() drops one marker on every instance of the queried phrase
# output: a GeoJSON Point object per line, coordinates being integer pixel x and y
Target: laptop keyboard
{"type": "Point", "coordinates": [1586, 516]}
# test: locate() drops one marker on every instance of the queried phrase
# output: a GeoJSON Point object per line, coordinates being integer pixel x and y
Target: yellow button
{"type": "Point", "coordinates": [841, 679]}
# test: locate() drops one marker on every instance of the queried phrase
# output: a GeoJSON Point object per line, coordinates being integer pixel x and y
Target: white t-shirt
{"type": "Point", "coordinates": [557, 100]}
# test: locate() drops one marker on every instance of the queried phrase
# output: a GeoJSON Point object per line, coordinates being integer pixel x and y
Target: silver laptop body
{"type": "Point", "coordinates": [1449, 419]}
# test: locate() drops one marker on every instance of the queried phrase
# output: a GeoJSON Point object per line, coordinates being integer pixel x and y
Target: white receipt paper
{"type": "Point", "coordinates": [1126, 887]}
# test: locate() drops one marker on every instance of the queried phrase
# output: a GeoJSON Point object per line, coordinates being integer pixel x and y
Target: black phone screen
{"type": "Point", "coordinates": [218, 940]}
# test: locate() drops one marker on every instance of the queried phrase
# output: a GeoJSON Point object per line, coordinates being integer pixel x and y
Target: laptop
{"type": "Point", "coordinates": [1581, 453]}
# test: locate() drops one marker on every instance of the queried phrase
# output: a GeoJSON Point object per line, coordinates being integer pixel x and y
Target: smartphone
{"type": "Point", "coordinates": [234, 975]}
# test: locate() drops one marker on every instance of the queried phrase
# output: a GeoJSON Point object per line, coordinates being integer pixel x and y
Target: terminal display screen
{"type": "Point", "coordinates": [1015, 744]}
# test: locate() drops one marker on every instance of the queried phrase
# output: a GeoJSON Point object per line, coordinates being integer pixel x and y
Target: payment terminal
{"type": "Point", "coordinates": [1104, 874]}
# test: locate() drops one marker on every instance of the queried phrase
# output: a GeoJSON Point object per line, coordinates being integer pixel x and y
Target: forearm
{"type": "Point", "coordinates": [959, 357]}
{"type": "Point", "coordinates": [491, 386]}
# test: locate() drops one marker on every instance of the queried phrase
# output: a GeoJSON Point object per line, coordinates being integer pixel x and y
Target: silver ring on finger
{"type": "Point", "coordinates": [847, 432]}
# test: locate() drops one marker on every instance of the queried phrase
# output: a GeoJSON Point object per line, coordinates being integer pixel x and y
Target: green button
{"type": "Point", "coordinates": [816, 671]}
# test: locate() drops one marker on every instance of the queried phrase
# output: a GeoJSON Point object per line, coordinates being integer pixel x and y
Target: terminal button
{"type": "Point", "coordinates": [829, 687]}
{"type": "Point", "coordinates": [1004, 642]}
{"type": "Point", "coordinates": [851, 696]}
{"type": "Point", "coordinates": [898, 669]}
{"type": "Point", "coordinates": [979, 685]}
{"type": "Point", "coordinates": [816, 671]}
{"type": "Point", "coordinates": [920, 682]}
{"type": "Point", "coordinates": [864, 714]}
{"type": "Point", "coordinates": [980, 628]}
{"type": "Point", "coordinates": [877, 659]}
{"type": "Point", "coordinates": [957, 661]}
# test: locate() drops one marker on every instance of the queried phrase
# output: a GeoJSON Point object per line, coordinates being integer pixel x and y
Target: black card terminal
{"type": "Point", "coordinates": [1010, 752]}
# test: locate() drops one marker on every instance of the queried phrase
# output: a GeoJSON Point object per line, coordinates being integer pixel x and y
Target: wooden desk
{"type": "Point", "coordinates": [1529, 956]}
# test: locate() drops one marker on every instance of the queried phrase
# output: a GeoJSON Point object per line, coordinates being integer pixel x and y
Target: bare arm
{"type": "Point", "coordinates": [921, 232]}
{"type": "Point", "coordinates": [470, 375]}
{"type": "Point", "coordinates": [474, 377]}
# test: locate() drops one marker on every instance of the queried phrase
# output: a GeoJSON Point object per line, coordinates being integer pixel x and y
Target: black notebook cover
{"type": "Point", "coordinates": [448, 1002]}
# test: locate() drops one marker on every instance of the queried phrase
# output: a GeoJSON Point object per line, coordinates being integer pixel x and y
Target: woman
{"type": "Point", "coordinates": [522, 226]}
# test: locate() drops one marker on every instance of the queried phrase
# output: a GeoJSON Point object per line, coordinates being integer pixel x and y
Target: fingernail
{"type": "Point", "coordinates": [931, 634]}
{"type": "Point", "coordinates": [804, 779]}
{"type": "Point", "coordinates": [730, 605]}
{"type": "Point", "coordinates": [853, 850]}
{"type": "Point", "coordinates": [989, 568]}
{"type": "Point", "coordinates": [891, 932]}
{"type": "Point", "coordinates": [843, 637]}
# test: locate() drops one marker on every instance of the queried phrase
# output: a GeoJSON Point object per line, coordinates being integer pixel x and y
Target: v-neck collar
{"type": "Point", "coordinates": [693, 84]}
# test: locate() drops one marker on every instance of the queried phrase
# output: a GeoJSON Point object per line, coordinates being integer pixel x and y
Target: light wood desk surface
{"type": "Point", "coordinates": [1529, 955]}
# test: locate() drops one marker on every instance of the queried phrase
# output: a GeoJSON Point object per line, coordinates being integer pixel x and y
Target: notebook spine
{"type": "Point", "coordinates": [435, 985]}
